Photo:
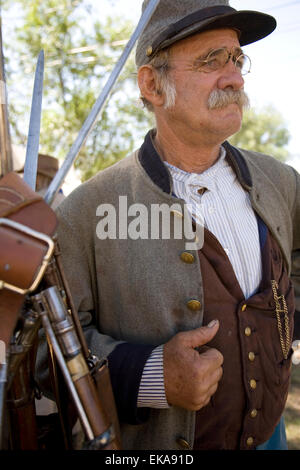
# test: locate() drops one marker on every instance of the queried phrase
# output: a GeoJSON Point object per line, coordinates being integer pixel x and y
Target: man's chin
{"type": "Point", "coordinates": [228, 120]}
{"type": "Point", "coordinates": [231, 112]}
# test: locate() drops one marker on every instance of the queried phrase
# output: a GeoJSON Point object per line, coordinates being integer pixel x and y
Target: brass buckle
{"type": "Point", "coordinates": [39, 236]}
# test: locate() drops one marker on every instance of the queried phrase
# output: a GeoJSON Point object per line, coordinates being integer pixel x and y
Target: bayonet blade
{"type": "Point", "coordinates": [92, 117]}
{"type": "Point", "coordinates": [33, 141]}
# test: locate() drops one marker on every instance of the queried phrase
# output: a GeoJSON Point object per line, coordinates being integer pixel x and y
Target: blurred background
{"type": "Point", "coordinates": [82, 41]}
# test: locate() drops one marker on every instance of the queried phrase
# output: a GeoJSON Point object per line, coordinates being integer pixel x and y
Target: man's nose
{"type": "Point", "coordinates": [231, 77]}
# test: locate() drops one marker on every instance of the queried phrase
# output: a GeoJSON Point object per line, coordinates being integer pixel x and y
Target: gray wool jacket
{"type": "Point", "coordinates": [136, 291]}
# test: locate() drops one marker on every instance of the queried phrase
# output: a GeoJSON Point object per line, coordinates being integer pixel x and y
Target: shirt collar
{"type": "Point", "coordinates": [160, 175]}
{"type": "Point", "coordinates": [219, 176]}
{"type": "Point", "coordinates": [181, 175]}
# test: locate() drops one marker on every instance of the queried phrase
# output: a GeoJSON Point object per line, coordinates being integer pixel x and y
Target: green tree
{"type": "Point", "coordinates": [263, 131]}
{"type": "Point", "coordinates": [80, 53]}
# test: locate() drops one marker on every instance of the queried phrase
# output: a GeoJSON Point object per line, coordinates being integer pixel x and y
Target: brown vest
{"type": "Point", "coordinates": [251, 395]}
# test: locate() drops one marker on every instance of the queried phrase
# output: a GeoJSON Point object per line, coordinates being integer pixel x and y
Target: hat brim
{"type": "Point", "coordinates": [252, 25]}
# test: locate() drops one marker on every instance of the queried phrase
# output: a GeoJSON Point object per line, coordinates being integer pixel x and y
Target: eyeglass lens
{"type": "Point", "coordinates": [219, 58]}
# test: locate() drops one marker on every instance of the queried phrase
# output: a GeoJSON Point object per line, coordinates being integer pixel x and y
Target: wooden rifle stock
{"type": "Point", "coordinates": [104, 389]}
{"type": "Point", "coordinates": [24, 221]}
{"type": "Point", "coordinates": [22, 228]}
{"type": "Point", "coordinates": [20, 383]}
{"type": "Point", "coordinates": [99, 372]}
{"type": "Point", "coordinates": [95, 419]}
{"type": "Point", "coordinates": [21, 408]}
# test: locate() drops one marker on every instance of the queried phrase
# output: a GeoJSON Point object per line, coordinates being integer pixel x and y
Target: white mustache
{"type": "Point", "coordinates": [220, 98]}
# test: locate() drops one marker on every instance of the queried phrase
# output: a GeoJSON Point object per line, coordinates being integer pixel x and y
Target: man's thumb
{"type": "Point", "coordinates": [203, 335]}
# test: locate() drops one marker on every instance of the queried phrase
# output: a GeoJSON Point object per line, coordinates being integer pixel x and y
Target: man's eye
{"type": "Point", "coordinates": [240, 61]}
{"type": "Point", "coordinates": [213, 62]}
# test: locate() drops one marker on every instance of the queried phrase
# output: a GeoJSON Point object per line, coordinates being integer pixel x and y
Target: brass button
{"type": "Point", "coordinates": [244, 308]}
{"type": "Point", "coordinates": [250, 441]}
{"type": "Point", "coordinates": [253, 413]}
{"type": "Point", "coordinates": [253, 384]}
{"type": "Point", "coordinates": [194, 305]}
{"type": "Point", "coordinates": [248, 331]}
{"type": "Point", "coordinates": [251, 356]}
{"type": "Point", "coordinates": [187, 257]}
{"type": "Point", "coordinates": [149, 51]}
{"type": "Point", "coordinates": [183, 443]}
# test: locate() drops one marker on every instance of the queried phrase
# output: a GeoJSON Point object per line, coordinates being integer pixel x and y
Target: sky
{"type": "Point", "coordinates": [275, 75]}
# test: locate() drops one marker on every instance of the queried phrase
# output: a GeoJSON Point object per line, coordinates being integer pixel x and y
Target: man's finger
{"type": "Point", "coordinates": [200, 336]}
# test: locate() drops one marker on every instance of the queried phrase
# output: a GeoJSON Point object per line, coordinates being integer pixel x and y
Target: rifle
{"type": "Point", "coordinates": [21, 237]}
{"type": "Point", "coordinates": [48, 296]}
{"type": "Point", "coordinates": [5, 167]}
{"type": "Point", "coordinates": [20, 383]}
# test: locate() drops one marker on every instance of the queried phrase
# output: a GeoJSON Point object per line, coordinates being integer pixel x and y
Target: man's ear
{"type": "Point", "coordinates": [147, 80]}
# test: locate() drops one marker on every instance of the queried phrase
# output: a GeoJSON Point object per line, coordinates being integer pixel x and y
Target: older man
{"type": "Point", "coordinates": [198, 340]}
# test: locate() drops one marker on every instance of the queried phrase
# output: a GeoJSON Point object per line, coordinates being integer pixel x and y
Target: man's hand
{"type": "Point", "coordinates": [192, 378]}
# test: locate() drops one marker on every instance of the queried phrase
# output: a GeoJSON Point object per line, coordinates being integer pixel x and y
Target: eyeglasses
{"type": "Point", "coordinates": [218, 58]}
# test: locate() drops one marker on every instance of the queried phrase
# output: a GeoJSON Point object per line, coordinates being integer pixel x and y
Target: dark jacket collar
{"type": "Point", "coordinates": [157, 171]}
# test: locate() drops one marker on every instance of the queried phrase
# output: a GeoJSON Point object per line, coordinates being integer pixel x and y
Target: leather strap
{"type": "Point", "coordinates": [24, 220]}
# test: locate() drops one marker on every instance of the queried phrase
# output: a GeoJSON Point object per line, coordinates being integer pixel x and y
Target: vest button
{"type": "Point", "coordinates": [251, 356]}
{"type": "Point", "coordinates": [250, 441]}
{"type": "Point", "coordinates": [253, 384]}
{"type": "Point", "coordinates": [183, 443]}
{"type": "Point", "coordinates": [248, 331]}
{"type": "Point", "coordinates": [187, 257]}
{"type": "Point", "coordinates": [253, 413]}
{"type": "Point", "coordinates": [244, 308]}
{"type": "Point", "coordinates": [194, 305]}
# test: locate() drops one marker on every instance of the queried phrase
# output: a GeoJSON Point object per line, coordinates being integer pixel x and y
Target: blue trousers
{"type": "Point", "coordinates": [278, 440]}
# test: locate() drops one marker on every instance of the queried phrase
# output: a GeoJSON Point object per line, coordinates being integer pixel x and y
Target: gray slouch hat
{"type": "Point", "coordinates": [174, 20]}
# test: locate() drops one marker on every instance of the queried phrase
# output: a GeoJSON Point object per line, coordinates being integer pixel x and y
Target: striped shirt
{"type": "Point", "coordinates": [226, 211]}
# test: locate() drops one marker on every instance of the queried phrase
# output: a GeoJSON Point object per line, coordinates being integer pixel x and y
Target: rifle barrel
{"type": "Point", "coordinates": [32, 149]}
{"type": "Point", "coordinates": [61, 361]}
